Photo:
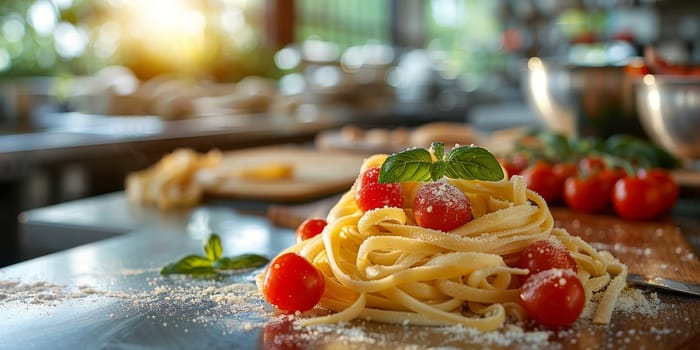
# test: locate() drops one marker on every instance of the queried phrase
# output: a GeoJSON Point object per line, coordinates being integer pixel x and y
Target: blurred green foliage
{"type": "Point", "coordinates": [34, 54]}
{"type": "Point", "coordinates": [29, 52]}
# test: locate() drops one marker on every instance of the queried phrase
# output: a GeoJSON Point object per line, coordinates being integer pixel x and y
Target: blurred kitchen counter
{"type": "Point", "coordinates": [72, 137]}
{"type": "Point", "coordinates": [66, 225]}
{"type": "Point", "coordinates": [73, 223]}
{"type": "Point", "coordinates": [68, 156]}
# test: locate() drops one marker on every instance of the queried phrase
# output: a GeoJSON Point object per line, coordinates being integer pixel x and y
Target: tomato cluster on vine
{"type": "Point", "coordinates": [626, 176]}
{"type": "Point", "coordinates": [640, 194]}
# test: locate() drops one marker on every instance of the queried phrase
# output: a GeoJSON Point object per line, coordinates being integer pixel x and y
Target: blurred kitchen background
{"type": "Point", "coordinates": [91, 90]}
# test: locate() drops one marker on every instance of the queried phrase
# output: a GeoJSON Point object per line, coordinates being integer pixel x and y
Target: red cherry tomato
{"type": "Point", "coordinates": [441, 206]}
{"type": "Point", "coordinates": [662, 180]}
{"type": "Point", "coordinates": [564, 171]}
{"type": "Point", "coordinates": [541, 179]}
{"type": "Point", "coordinates": [309, 228]}
{"type": "Point", "coordinates": [553, 298]}
{"type": "Point", "coordinates": [608, 178]}
{"type": "Point", "coordinates": [370, 194]}
{"type": "Point", "coordinates": [514, 164]}
{"type": "Point", "coordinates": [546, 254]}
{"type": "Point", "coordinates": [636, 199]}
{"type": "Point", "coordinates": [291, 283]}
{"type": "Point", "coordinates": [587, 195]}
{"type": "Point", "coordinates": [591, 164]}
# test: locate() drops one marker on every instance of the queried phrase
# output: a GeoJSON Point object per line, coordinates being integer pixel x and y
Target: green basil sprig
{"type": "Point", "coordinates": [212, 263]}
{"type": "Point", "coordinates": [466, 162]}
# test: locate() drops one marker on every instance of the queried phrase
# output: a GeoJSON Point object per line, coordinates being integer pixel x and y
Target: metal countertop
{"type": "Point", "coordinates": [108, 294]}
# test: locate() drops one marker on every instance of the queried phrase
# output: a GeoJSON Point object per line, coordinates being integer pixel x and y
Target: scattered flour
{"type": "Point", "coordinates": [633, 300]}
{"type": "Point", "coordinates": [237, 306]}
{"type": "Point", "coordinates": [283, 332]}
{"type": "Point", "coordinates": [35, 292]}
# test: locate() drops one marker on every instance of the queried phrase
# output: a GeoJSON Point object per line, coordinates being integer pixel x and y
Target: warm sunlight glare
{"type": "Point", "coordinates": [170, 28]}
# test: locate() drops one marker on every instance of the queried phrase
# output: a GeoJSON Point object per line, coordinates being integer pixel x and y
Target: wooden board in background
{"type": "Point", "coordinates": [315, 174]}
{"type": "Point", "coordinates": [656, 248]}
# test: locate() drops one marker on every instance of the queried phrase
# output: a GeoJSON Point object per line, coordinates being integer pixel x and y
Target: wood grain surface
{"type": "Point", "coordinates": [656, 248]}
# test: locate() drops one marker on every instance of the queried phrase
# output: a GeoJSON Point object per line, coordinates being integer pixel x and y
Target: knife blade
{"type": "Point", "coordinates": [664, 284]}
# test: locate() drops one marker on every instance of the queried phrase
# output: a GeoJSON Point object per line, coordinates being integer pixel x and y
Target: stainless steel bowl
{"type": "Point", "coordinates": [669, 111]}
{"type": "Point", "coordinates": [581, 100]}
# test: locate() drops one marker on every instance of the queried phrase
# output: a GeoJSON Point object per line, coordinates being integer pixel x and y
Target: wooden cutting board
{"type": "Point", "coordinates": [657, 248]}
{"type": "Point", "coordinates": [315, 174]}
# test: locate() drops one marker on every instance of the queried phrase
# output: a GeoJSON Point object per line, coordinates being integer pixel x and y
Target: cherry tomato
{"type": "Point", "coordinates": [541, 179]}
{"type": "Point", "coordinates": [636, 199]}
{"type": "Point", "coordinates": [514, 164]}
{"type": "Point", "coordinates": [564, 171]}
{"type": "Point", "coordinates": [591, 164]}
{"type": "Point", "coordinates": [608, 177]}
{"type": "Point", "coordinates": [664, 182]}
{"type": "Point", "coordinates": [441, 206]}
{"type": "Point", "coordinates": [587, 195]}
{"type": "Point", "coordinates": [553, 298]}
{"type": "Point", "coordinates": [546, 254]}
{"type": "Point", "coordinates": [370, 194]}
{"type": "Point", "coordinates": [291, 283]}
{"type": "Point", "coordinates": [309, 228]}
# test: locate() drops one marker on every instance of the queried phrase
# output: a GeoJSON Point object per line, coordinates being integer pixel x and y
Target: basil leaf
{"type": "Point", "coordinates": [410, 165]}
{"type": "Point", "coordinates": [473, 163]}
{"type": "Point", "coordinates": [437, 170]}
{"type": "Point", "coordinates": [213, 248]}
{"type": "Point", "coordinates": [438, 150]}
{"type": "Point", "coordinates": [243, 261]}
{"type": "Point", "coordinates": [191, 264]}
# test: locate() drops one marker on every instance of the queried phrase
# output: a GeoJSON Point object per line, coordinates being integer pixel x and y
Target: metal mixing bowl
{"type": "Point", "coordinates": [669, 111]}
{"type": "Point", "coordinates": [581, 100]}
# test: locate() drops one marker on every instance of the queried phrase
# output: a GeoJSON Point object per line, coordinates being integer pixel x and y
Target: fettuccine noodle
{"type": "Point", "coordinates": [380, 265]}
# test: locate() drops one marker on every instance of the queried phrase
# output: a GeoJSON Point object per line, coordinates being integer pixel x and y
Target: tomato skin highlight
{"type": "Point", "coordinates": [587, 195]}
{"type": "Point", "coordinates": [291, 283]}
{"type": "Point", "coordinates": [634, 198]}
{"type": "Point", "coordinates": [608, 178]}
{"type": "Point", "coordinates": [667, 186]}
{"type": "Point", "coordinates": [553, 298]}
{"type": "Point", "coordinates": [370, 194]}
{"type": "Point", "coordinates": [441, 206]}
{"type": "Point", "coordinates": [591, 164]}
{"type": "Point", "coordinates": [309, 228]}
{"type": "Point", "coordinates": [546, 254]}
